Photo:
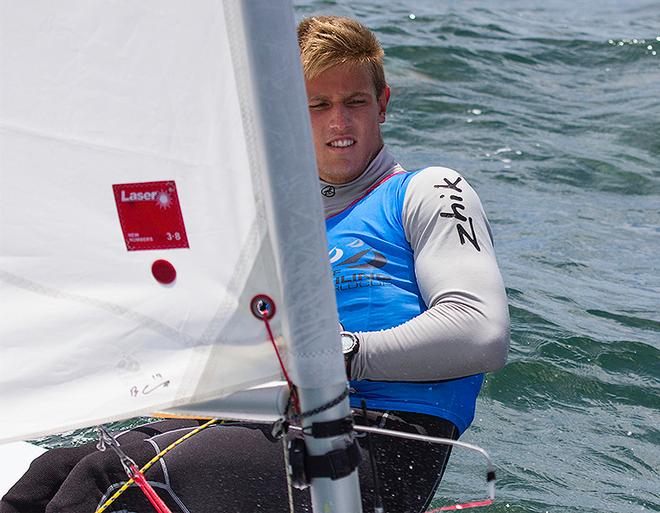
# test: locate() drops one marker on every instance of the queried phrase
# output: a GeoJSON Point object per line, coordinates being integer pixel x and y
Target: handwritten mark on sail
{"type": "Point", "coordinates": [158, 382]}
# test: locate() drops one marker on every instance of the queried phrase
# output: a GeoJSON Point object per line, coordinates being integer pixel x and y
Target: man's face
{"type": "Point", "coordinates": [346, 117]}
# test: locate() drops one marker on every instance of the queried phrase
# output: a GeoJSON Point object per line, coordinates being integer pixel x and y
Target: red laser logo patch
{"type": "Point", "coordinates": [150, 216]}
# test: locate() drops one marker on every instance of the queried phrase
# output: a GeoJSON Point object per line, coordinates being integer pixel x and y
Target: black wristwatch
{"type": "Point", "coordinates": [350, 344]}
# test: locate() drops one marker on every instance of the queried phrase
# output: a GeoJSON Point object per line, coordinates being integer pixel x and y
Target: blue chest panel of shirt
{"type": "Point", "coordinates": [376, 289]}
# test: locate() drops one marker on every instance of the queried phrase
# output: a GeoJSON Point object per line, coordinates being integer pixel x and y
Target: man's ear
{"type": "Point", "coordinates": [382, 103]}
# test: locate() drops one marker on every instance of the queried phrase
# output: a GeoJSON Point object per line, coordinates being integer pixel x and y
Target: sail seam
{"type": "Point", "coordinates": [118, 310]}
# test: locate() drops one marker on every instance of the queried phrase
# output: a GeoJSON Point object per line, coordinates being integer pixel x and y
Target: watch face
{"type": "Point", "coordinates": [348, 342]}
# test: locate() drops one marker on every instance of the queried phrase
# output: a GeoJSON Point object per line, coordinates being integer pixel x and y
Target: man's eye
{"type": "Point", "coordinates": [317, 106]}
{"type": "Point", "coordinates": [356, 102]}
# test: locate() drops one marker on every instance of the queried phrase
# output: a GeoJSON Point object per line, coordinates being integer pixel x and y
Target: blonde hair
{"type": "Point", "coordinates": [328, 41]}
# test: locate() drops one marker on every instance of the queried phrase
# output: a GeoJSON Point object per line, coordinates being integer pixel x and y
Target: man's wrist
{"type": "Point", "coordinates": [350, 344]}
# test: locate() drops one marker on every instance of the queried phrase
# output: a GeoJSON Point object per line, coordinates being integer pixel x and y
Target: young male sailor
{"type": "Point", "coordinates": [415, 273]}
{"type": "Point", "coordinates": [418, 289]}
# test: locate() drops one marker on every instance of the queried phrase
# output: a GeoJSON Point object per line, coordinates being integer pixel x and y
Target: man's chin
{"type": "Point", "coordinates": [338, 173]}
{"type": "Point", "coordinates": [339, 176]}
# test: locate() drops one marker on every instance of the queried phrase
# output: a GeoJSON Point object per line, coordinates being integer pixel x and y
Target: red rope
{"type": "Point", "coordinates": [475, 504]}
{"type": "Point", "coordinates": [294, 396]}
{"type": "Point", "coordinates": [146, 488]}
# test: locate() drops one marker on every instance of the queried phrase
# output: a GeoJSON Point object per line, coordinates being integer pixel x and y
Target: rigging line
{"type": "Point", "coordinates": [277, 353]}
{"type": "Point", "coordinates": [263, 307]}
{"type": "Point", "coordinates": [154, 499]}
{"type": "Point", "coordinates": [426, 438]}
{"type": "Point", "coordinates": [466, 505]}
{"type": "Point", "coordinates": [153, 460]}
{"type": "Point", "coordinates": [303, 415]}
{"type": "Point", "coordinates": [292, 389]}
{"type": "Point", "coordinates": [106, 439]}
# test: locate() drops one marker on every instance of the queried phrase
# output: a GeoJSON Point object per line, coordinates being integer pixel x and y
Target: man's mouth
{"type": "Point", "coordinates": [341, 143]}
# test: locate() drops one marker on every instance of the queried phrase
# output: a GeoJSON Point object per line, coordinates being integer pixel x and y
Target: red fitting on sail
{"type": "Point", "coordinates": [163, 271]}
{"type": "Point", "coordinates": [262, 307]}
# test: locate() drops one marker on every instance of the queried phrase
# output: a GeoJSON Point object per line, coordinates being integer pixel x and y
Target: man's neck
{"type": "Point", "coordinates": [337, 197]}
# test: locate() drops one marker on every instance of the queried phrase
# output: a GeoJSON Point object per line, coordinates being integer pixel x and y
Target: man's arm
{"type": "Point", "coordinates": [465, 331]}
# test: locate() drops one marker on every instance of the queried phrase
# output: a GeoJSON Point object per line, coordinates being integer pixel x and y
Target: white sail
{"type": "Point", "coordinates": [131, 133]}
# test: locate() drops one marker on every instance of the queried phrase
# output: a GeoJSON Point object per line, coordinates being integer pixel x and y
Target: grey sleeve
{"type": "Point", "coordinates": [465, 331]}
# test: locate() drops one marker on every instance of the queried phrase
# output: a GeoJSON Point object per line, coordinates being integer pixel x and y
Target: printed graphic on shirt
{"type": "Point", "coordinates": [465, 231]}
{"type": "Point", "coordinates": [328, 191]}
{"type": "Point", "coordinates": [356, 264]}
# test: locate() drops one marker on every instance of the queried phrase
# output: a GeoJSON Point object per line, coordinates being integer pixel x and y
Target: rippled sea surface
{"type": "Point", "coordinates": [552, 111]}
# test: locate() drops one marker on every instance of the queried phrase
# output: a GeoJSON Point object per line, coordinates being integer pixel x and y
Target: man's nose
{"type": "Point", "coordinates": [341, 118]}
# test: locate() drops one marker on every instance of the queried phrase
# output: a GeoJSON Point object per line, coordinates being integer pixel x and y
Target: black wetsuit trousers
{"type": "Point", "coordinates": [228, 468]}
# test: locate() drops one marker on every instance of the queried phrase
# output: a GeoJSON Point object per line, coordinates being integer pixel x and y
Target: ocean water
{"type": "Point", "coordinates": [552, 111]}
